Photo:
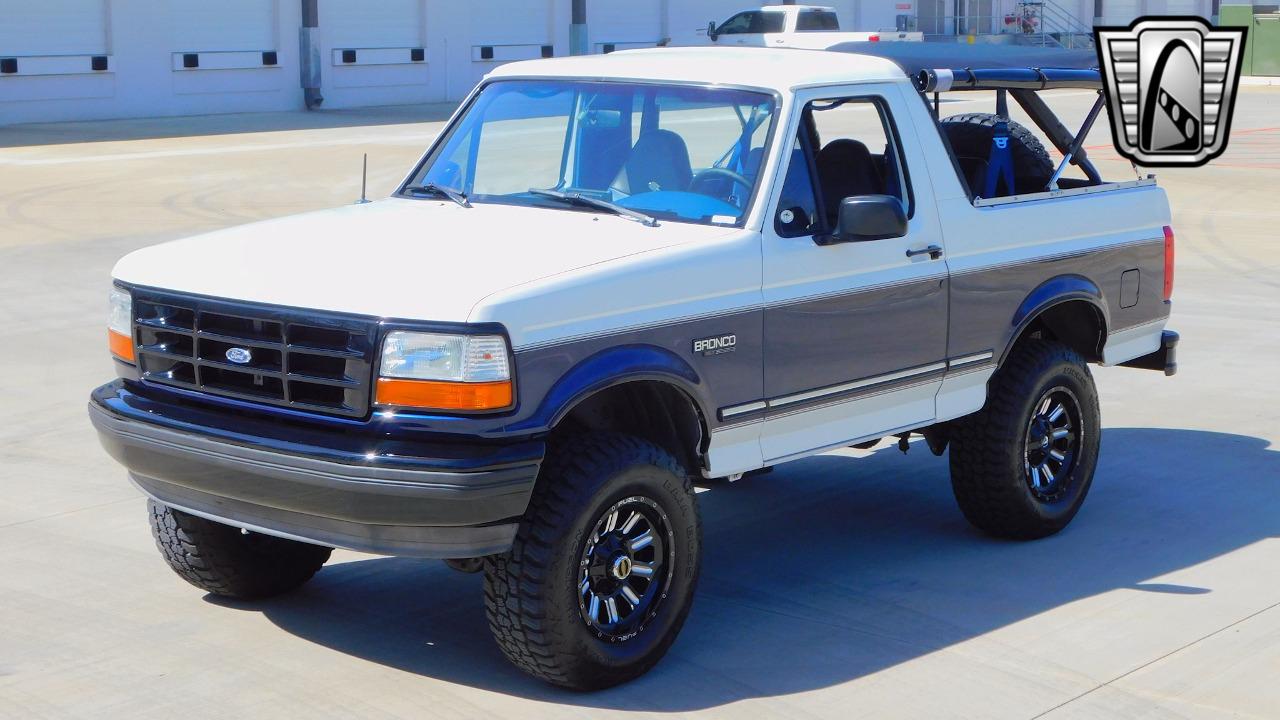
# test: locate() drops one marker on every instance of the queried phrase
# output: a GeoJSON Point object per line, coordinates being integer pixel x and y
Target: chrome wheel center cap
{"type": "Point", "coordinates": [621, 568]}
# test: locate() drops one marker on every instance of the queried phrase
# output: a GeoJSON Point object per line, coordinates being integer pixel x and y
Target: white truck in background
{"type": "Point", "coordinates": [811, 27]}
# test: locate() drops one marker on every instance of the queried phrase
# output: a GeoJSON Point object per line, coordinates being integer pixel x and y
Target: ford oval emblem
{"type": "Point", "coordinates": [239, 356]}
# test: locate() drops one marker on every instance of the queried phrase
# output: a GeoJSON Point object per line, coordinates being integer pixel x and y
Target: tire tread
{"type": "Point", "coordinates": [980, 444]}
{"type": "Point", "coordinates": [213, 556]}
{"type": "Point", "coordinates": [514, 581]}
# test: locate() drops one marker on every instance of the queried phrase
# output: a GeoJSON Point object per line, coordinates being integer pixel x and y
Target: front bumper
{"type": "Point", "coordinates": [466, 505]}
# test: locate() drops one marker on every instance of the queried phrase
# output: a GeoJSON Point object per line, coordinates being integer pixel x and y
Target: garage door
{"type": "Point", "coordinates": [381, 24]}
{"type": "Point", "coordinates": [618, 24]}
{"type": "Point", "coordinates": [375, 53]}
{"type": "Point", "coordinates": [223, 26]}
{"type": "Point", "coordinates": [508, 30]}
{"type": "Point", "coordinates": [53, 27]}
{"type": "Point", "coordinates": [508, 22]}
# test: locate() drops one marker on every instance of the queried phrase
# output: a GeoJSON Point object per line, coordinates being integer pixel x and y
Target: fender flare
{"type": "Point", "coordinates": [616, 366]}
{"type": "Point", "coordinates": [1052, 292]}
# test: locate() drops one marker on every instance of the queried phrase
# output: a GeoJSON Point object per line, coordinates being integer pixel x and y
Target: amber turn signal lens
{"type": "Point", "coordinates": [121, 345]}
{"type": "Point", "coordinates": [438, 395]}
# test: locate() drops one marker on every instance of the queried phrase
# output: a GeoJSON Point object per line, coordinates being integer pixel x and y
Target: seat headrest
{"type": "Point", "coordinates": [660, 159]}
{"type": "Point", "coordinates": [844, 151]}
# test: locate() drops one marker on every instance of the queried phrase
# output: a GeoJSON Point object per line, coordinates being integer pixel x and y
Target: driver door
{"type": "Point", "coordinates": [854, 332]}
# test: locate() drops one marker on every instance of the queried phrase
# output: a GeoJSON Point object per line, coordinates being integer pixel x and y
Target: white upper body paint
{"type": "Point", "coordinates": [758, 68]}
{"type": "Point", "coordinates": [527, 267]}
{"type": "Point", "coordinates": [398, 258]}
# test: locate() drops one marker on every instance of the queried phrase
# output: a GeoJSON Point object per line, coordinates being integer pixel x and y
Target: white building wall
{"type": "Point", "coordinates": [367, 53]}
{"type": "Point", "coordinates": [498, 31]}
{"type": "Point", "coordinates": [621, 24]}
{"type": "Point", "coordinates": [1120, 12]}
{"type": "Point", "coordinates": [26, 28]}
{"type": "Point", "coordinates": [401, 51]}
{"type": "Point", "coordinates": [144, 41]}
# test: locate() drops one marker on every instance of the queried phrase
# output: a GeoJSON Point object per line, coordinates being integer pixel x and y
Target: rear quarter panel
{"type": "Point", "coordinates": [999, 255]}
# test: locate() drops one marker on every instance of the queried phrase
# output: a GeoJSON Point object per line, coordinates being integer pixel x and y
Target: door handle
{"type": "Point", "coordinates": [933, 251]}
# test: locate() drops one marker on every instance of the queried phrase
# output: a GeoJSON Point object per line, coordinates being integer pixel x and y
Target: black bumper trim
{"type": "Point", "coordinates": [1164, 359]}
{"type": "Point", "coordinates": [401, 540]}
{"type": "Point", "coordinates": [415, 510]}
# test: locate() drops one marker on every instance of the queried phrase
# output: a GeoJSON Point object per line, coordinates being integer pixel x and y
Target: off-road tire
{"type": "Point", "coordinates": [532, 592]}
{"type": "Point", "coordinates": [989, 448]}
{"type": "Point", "coordinates": [225, 561]}
{"type": "Point", "coordinates": [970, 136]}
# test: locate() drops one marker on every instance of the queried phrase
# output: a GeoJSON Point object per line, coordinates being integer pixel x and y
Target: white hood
{"type": "Point", "coordinates": [395, 258]}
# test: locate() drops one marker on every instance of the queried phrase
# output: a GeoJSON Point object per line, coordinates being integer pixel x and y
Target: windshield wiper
{"type": "Point", "coordinates": [575, 198]}
{"type": "Point", "coordinates": [442, 191]}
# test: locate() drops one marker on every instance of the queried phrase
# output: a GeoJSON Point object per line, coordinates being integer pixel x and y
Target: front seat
{"type": "Point", "coordinates": [845, 168]}
{"type": "Point", "coordinates": [659, 161]}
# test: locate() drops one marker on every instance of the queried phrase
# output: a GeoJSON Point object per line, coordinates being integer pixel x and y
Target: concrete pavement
{"type": "Point", "coordinates": [845, 585]}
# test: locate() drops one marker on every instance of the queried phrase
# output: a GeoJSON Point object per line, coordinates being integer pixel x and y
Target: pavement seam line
{"type": "Point", "coordinates": [66, 512]}
{"type": "Point", "coordinates": [1153, 661]}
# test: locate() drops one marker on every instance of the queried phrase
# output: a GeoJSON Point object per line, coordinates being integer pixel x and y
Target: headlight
{"type": "Point", "coordinates": [120, 324]}
{"type": "Point", "coordinates": [444, 372]}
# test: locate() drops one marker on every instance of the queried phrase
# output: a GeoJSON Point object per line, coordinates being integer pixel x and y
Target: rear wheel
{"type": "Point", "coordinates": [1022, 466]}
{"type": "Point", "coordinates": [231, 562]}
{"type": "Point", "coordinates": [602, 572]}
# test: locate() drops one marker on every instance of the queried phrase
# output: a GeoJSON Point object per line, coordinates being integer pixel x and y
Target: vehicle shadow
{"type": "Point", "coordinates": [833, 568]}
{"type": "Point", "coordinates": [88, 131]}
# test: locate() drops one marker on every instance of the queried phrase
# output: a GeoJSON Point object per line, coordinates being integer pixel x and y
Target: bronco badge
{"type": "Point", "coordinates": [715, 345]}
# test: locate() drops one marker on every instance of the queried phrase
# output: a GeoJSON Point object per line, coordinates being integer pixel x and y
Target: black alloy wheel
{"type": "Point", "coordinates": [624, 569]}
{"type": "Point", "coordinates": [1023, 464]}
{"type": "Point", "coordinates": [603, 568]}
{"type": "Point", "coordinates": [1051, 444]}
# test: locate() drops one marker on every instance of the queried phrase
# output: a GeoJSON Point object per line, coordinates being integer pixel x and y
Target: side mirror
{"type": "Point", "coordinates": [868, 217]}
{"type": "Point", "coordinates": [711, 30]}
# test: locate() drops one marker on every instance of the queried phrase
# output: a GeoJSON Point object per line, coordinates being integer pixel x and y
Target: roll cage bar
{"type": "Point", "coordinates": [1009, 71]}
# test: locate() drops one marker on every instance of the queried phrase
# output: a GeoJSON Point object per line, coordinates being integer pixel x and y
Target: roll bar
{"type": "Point", "coordinates": [944, 80]}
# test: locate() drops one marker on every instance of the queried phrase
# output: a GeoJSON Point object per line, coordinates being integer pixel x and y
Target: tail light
{"type": "Point", "coordinates": [873, 38]}
{"type": "Point", "coordinates": [1168, 262]}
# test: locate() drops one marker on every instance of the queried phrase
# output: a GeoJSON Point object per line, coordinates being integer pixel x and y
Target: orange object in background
{"type": "Point", "coordinates": [121, 345]}
{"type": "Point", "coordinates": [439, 395]}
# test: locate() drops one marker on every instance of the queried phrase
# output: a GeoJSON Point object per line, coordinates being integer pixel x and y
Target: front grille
{"type": "Point", "coordinates": [308, 361]}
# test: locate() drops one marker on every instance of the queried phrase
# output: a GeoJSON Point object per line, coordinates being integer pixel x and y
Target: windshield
{"type": "Point", "coordinates": [670, 152]}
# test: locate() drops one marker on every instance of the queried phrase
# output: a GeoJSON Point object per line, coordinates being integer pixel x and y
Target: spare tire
{"type": "Point", "coordinates": [970, 138]}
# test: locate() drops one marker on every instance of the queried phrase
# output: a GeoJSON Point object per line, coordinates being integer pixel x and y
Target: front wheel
{"type": "Point", "coordinates": [602, 572]}
{"type": "Point", "coordinates": [231, 562]}
{"type": "Point", "coordinates": [1022, 465]}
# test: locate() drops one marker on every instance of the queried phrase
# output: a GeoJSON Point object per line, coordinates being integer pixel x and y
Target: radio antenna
{"type": "Point", "coordinates": [364, 181]}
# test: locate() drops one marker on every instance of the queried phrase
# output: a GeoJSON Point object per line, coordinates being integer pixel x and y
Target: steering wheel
{"type": "Point", "coordinates": [712, 173]}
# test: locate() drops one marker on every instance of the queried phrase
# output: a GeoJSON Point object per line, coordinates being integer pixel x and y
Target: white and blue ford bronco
{"type": "Point", "coordinates": [613, 277]}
